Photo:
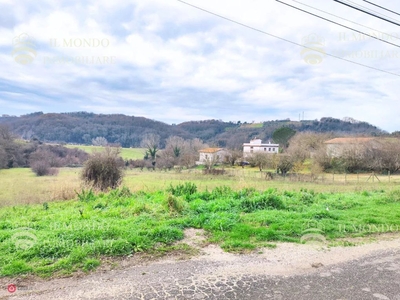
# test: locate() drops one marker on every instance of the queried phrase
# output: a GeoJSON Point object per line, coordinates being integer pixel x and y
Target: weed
{"type": "Point", "coordinates": [86, 196]}
{"type": "Point", "coordinates": [186, 189]}
{"type": "Point", "coordinates": [175, 204]}
{"type": "Point", "coordinates": [263, 201]}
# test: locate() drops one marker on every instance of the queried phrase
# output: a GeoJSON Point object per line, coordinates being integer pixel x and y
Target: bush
{"type": "Point", "coordinates": [42, 168]}
{"type": "Point", "coordinates": [103, 170]}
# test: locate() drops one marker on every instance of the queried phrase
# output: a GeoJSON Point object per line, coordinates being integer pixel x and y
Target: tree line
{"type": "Point", "coordinates": [129, 131]}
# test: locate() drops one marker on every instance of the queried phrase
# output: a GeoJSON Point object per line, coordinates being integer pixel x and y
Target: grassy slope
{"type": "Point", "coordinates": [63, 237]}
{"type": "Point", "coordinates": [126, 153]}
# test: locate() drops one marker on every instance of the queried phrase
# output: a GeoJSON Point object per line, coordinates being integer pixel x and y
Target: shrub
{"type": "Point", "coordinates": [42, 168]}
{"type": "Point", "coordinates": [103, 170]}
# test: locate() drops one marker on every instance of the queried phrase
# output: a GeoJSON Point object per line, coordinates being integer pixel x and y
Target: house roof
{"type": "Point", "coordinates": [350, 140]}
{"type": "Point", "coordinates": [210, 150]}
{"type": "Point", "coordinates": [261, 145]}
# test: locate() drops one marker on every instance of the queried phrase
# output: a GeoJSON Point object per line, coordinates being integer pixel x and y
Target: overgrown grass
{"type": "Point", "coordinates": [63, 237]}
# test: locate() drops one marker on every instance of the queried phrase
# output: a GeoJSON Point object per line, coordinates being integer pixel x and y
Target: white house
{"type": "Point", "coordinates": [211, 154]}
{"type": "Point", "coordinates": [256, 145]}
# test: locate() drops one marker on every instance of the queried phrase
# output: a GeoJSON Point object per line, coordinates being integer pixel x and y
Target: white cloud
{"type": "Point", "coordinates": [174, 63]}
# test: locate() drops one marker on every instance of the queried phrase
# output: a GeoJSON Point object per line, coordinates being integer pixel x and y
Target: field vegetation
{"type": "Point", "coordinates": [66, 236]}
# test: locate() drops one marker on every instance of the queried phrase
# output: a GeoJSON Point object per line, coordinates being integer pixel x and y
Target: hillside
{"type": "Point", "coordinates": [82, 127]}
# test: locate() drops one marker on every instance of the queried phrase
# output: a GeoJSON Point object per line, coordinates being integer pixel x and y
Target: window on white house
{"type": "Point", "coordinates": [269, 149]}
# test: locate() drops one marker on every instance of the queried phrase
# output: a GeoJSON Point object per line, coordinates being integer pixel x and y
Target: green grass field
{"type": "Point", "coordinates": [53, 225]}
{"type": "Point", "coordinates": [126, 153]}
{"type": "Point", "coordinates": [67, 236]}
{"type": "Point", "coordinates": [253, 125]}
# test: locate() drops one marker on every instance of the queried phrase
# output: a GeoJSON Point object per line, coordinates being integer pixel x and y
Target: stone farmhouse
{"type": "Point", "coordinates": [212, 154]}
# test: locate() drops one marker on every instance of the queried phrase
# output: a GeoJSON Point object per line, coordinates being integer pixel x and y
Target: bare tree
{"type": "Point", "coordinates": [305, 145]}
{"type": "Point", "coordinates": [210, 162]}
{"type": "Point", "coordinates": [260, 160]}
{"type": "Point", "coordinates": [321, 160]}
{"type": "Point", "coordinates": [232, 156]}
{"type": "Point", "coordinates": [9, 150]}
{"type": "Point", "coordinates": [387, 156]}
{"type": "Point", "coordinates": [99, 141]}
{"type": "Point", "coordinates": [191, 152]}
{"type": "Point", "coordinates": [285, 163]}
{"type": "Point", "coordinates": [174, 150]}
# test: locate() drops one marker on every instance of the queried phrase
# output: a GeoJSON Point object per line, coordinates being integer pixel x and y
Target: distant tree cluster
{"type": "Point", "coordinates": [43, 159]}
{"type": "Point", "coordinates": [47, 158]}
{"type": "Point", "coordinates": [380, 155]}
{"type": "Point", "coordinates": [383, 157]}
{"type": "Point", "coordinates": [178, 152]}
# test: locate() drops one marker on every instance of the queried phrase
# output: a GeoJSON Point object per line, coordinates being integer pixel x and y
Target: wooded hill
{"type": "Point", "coordinates": [128, 131]}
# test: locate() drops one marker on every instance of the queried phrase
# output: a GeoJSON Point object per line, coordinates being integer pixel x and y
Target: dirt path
{"type": "Point", "coordinates": [202, 275]}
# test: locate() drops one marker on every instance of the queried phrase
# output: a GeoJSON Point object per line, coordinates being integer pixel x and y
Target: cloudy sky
{"type": "Point", "coordinates": [171, 62]}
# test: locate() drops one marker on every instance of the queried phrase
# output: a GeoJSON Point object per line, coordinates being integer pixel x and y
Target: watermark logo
{"type": "Point", "coordinates": [360, 37]}
{"type": "Point", "coordinates": [24, 49]}
{"type": "Point", "coordinates": [24, 238]}
{"type": "Point", "coordinates": [84, 44]}
{"type": "Point", "coordinates": [11, 288]}
{"type": "Point", "coordinates": [313, 52]}
{"type": "Point", "coordinates": [79, 60]}
{"type": "Point", "coordinates": [368, 228]}
{"type": "Point", "coordinates": [313, 234]}
{"type": "Point", "coordinates": [80, 43]}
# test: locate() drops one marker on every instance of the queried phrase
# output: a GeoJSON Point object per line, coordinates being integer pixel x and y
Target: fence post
{"type": "Point", "coordinates": [389, 176]}
{"type": "Point", "coordinates": [345, 178]}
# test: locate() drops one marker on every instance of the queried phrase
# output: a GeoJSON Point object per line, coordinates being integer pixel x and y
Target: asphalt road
{"type": "Point", "coordinates": [375, 276]}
